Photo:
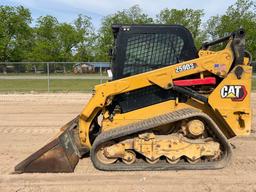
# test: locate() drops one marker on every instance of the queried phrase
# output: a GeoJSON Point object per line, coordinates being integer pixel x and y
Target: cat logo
{"type": "Point", "coordinates": [233, 92]}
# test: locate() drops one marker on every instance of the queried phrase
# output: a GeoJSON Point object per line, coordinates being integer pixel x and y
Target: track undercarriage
{"type": "Point", "coordinates": [152, 147]}
{"type": "Point", "coordinates": [169, 141]}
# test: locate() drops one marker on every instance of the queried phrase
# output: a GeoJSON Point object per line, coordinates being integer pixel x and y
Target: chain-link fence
{"type": "Point", "coordinates": [51, 76]}
{"type": "Point", "coordinates": [56, 76]}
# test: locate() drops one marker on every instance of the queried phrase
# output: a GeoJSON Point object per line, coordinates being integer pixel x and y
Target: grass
{"type": "Point", "coordinates": [56, 85]}
{"type": "Point", "coordinates": [70, 85]}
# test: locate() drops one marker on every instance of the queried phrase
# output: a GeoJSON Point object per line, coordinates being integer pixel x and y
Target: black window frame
{"type": "Point", "coordinates": [123, 32]}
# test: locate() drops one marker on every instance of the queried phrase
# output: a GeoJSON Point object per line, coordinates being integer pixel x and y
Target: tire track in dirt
{"type": "Point", "coordinates": [27, 130]}
{"type": "Point", "coordinates": [138, 182]}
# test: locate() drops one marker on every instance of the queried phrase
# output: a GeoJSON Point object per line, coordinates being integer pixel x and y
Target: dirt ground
{"type": "Point", "coordinates": [27, 121]}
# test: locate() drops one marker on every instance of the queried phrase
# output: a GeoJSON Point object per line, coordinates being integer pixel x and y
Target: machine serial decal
{"type": "Point", "coordinates": [185, 67]}
{"type": "Point", "coordinates": [233, 92]}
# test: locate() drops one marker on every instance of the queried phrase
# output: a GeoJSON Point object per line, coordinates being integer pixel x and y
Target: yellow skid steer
{"type": "Point", "coordinates": [168, 106]}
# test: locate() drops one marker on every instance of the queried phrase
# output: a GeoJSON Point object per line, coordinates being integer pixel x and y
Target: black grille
{"type": "Point", "coordinates": [144, 97]}
{"type": "Point", "coordinates": [146, 52]}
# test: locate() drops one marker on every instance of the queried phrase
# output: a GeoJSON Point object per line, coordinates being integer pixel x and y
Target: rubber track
{"type": "Point", "coordinates": [148, 124]}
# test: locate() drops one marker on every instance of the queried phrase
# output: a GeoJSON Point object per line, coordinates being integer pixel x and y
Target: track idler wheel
{"type": "Point", "coordinates": [193, 161]}
{"type": "Point", "coordinates": [172, 161]}
{"type": "Point", "coordinates": [130, 157]}
{"type": "Point", "coordinates": [152, 161]}
{"type": "Point", "coordinates": [103, 156]}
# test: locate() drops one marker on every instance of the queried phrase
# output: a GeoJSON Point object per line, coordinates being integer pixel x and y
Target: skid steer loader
{"type": "Point", "coordinates": [168, 106]}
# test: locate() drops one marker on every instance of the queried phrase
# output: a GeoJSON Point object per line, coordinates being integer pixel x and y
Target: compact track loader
{"type": "Point", "coordinates": [168, 106]}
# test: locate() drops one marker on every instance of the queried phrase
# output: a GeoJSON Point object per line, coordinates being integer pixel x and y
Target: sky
{"type": "Point", "coordinates": [67, 10]}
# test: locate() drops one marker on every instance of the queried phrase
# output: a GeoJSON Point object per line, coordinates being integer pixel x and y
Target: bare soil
{"type": "Point", "coordinates": [27, 121]}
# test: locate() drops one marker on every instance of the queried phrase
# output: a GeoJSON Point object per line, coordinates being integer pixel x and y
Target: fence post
{"type": "Point", "coordinates": [100, 74]}
{"type": "Point", "coordinates": [48, 77]}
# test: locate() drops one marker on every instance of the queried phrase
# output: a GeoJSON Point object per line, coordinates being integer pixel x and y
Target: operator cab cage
{"type": "Point", "coordinates": [141, 48]}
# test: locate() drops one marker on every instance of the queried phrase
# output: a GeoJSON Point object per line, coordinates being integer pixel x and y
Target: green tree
{"type": "Point", "coordinates": [241, 14]}
{"type": "Point", "coordinates": [190, 18]}
{"type": "Point", "coordinates": [54, 41]}
{"type": "Point", "coordinates": [46, 46]}
{"type": "Point", "coordinates": [85, 32]}
{"type": "Point", "coordinates": [133, 15]}
{"type": "Point", "coordinates": [67, 40]}
{"type": "Point", "coordinates": [15, 33]}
